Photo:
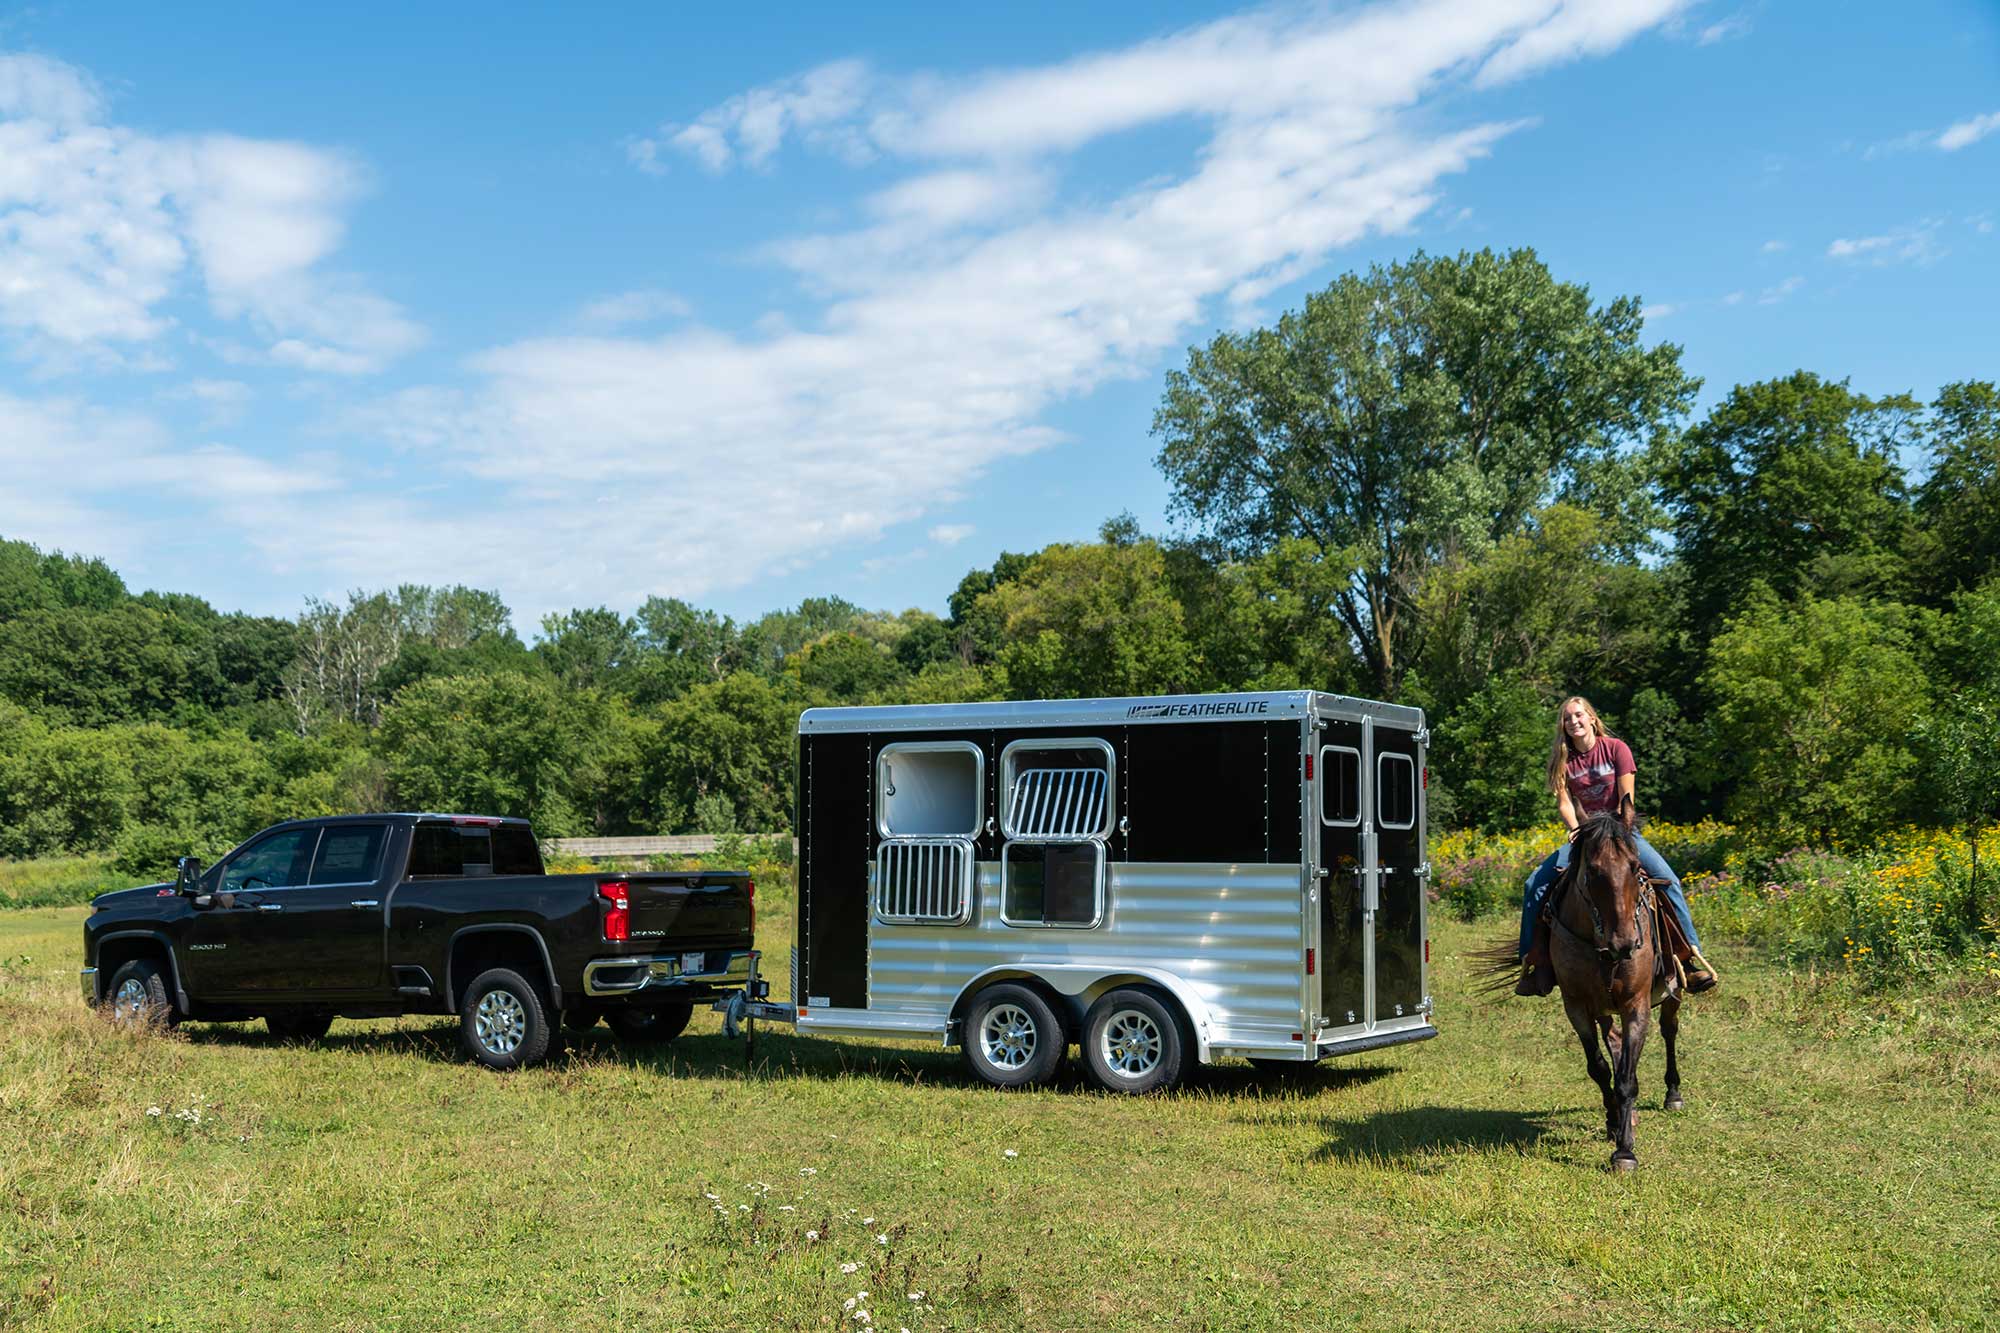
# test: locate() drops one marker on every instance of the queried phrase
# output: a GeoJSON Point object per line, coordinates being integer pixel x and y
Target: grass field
{"type": "Point", "coordinates": [1835, 1168]}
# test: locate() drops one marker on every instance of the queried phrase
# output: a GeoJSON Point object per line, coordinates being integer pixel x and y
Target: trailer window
{"type": "Point", "coordinates": [1052, 884]}
{"type": "Point", "coordinates": [1395, 791]}
{"type": "Point", "coordinates": [1057, 790]}
{"type": "Point", "coordinates": [1339, 786]}
{"type": "Point", "coordinates": [929, 789]}
{"type": "Point", "coordinates": [924, 881]}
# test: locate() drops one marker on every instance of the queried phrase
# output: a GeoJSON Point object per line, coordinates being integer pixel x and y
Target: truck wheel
{"type": "Point", "coordinates": [299, 1025]}
{"type": "Point", "coordinates": [139, 997]}
{"type": "Point", "coordinates": [1133, 1042]}
{"type": "Point", "coordinates": [503, 1022]}
{"type": "Point", "coordinates": [651, 1025]}
{"type": "Point", "coordinates": [1013, 1038]}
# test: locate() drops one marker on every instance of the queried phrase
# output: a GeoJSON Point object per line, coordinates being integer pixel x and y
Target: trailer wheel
{"type": "Point", "coordinates": [503, 1022]}
{"type": "Point", "coordinates": [652, 1024]}
{"type": "Point", "coordinates": [1133, 1042]}
{"type": "Point", "coordinates": [1013, 1038]}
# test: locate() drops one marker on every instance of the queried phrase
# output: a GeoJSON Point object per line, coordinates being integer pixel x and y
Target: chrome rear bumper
{"type": "Point", "coordinates": [89, 978]}
{"type": "Point", "coordinates": [667, 971]}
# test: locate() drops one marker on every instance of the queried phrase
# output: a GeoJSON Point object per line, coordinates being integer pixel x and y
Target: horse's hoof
{"type": "Point", "coordinates": [1674, 1102]}
{"type": "Point", "coordinates": [1622, 1164]}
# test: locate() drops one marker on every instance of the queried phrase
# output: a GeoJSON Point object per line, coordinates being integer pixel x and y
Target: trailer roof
{"type": "Point", "coordinates": [1266, 706]}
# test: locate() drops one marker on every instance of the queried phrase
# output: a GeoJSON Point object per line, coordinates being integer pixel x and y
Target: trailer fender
{"type": "Point", "coordinates": [1081, 983]}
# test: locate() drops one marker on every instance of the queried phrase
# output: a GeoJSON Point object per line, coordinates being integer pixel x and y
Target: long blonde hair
{"type": "Point", "coordinates": [1560, 755]}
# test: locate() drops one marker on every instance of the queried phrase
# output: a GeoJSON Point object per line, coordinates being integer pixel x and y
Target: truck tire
{"type": "Point", "coordinates": [651, 1025]}
{"type": "Point", "coordinates": [1013, 1038]}
{"type": "Point", "coordinates": [303, 1025]}
{"type": "Point", "coordinates": [503, 1023]}
{"type": "Point", "coordinates": [139, 996]}
{"type": "Point", "coordinates": [1134, 1042]}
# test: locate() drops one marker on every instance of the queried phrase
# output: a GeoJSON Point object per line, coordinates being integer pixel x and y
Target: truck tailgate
{"type": "Point", "coordinates": [695, 908]}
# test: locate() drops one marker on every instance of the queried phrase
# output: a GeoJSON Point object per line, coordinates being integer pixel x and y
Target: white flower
{"type": "Point", "coordinates": [786, 1208]}
{"type": "Point", "coordinates": [882, 1239]}
{"type": "Point", "coordinates": [1010, 1153]}
{"type": "Point", "coordinates": [812, 1235]}
{"type": "Point", "coordinates": [860, 1295]}
{"type": "Point", "coordinates": [847, 1304]}
{"type": "Point", "coordinates": [850, 1268]}
{"type": "Point", "coordinates": [808, 1170]}
{"type": "Point", "coordinates": [152, 1110]}
{"type": "Point", "coordinates": [867, 1221]}
{"type": "Point", "coordinates": [863, 1317]}
{"type": "Point", "coordinates": [917, 1296]}
{"type": "Point", "coordinates": [706, 1195]}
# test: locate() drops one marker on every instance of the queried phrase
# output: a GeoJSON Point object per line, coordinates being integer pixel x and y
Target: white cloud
{"type": "Point", "coordinates": [1773, 248]}
{"type": "Point", "coordinates": [634, 307]}
{"type": "Point", "coordinates": [1734, 26]}
{"type": "Point", "coordinates": [969, 296]}
{"type": "Point", "coordinates": [1779, 291]}
{"type": "Point", "coordinates": [1916, 243]}
{"type": "Point", "coordinates": [951, 534]}
{"type": "Point", "coordinates": [1658, 311]}
{"type": "Point", "coordinates": [100, 225]}
{"type": "Point", "coordinates": [1968, 132]}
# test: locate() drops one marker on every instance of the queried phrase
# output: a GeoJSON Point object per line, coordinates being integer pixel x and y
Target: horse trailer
{"type": "Point", "coordinates": [1157, 880]}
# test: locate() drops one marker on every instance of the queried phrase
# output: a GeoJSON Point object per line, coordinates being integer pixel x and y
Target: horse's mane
{"type": "Point", "coordinates": [1595, 830]}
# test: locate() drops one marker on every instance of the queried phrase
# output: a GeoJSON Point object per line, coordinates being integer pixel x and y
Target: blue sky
{"type": "Point", "coordinates": [590, 305]}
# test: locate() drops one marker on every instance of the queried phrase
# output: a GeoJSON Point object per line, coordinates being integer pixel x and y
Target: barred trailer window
{"type": "Point", "coordinates": [929, 805]}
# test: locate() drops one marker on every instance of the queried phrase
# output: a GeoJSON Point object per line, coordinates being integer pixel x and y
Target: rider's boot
{"type": "Point", "coordinates": [1538, 973]}
{"type": "Point", "coordinates": [1701, 975]}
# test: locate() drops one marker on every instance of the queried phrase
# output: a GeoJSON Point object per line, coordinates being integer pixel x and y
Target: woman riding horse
{"type": "Point", "coordinates": [1591, 772]}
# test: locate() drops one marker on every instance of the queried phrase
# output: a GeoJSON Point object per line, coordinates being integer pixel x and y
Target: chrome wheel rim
{"type": "Point", "coordinates": [1007, 1036]}
{"type": "Point", "coordinates": [1130, 1044]}
{"type": "Point", "coordinates": [500, 1023]}
{"type": "Point", "coordinates": [131, 1000]}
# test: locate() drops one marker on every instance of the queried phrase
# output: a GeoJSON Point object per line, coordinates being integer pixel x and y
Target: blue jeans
{"type": "Point", "coordinates": [1655, 865]}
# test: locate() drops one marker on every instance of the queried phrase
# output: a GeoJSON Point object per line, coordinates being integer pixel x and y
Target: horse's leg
{"type": "Point", "coordinates": [1585, 1024]}
{"type": "Point", "coordinates": [1670, 1026]}
{"type": "Point", "coordinates": [1614, 1045]}
{"type": "Point", "coordinates": [1634, 1022]}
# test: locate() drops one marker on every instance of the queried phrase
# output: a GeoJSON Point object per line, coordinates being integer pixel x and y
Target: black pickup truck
{"type": "Point", "coordinates": [372, 916]}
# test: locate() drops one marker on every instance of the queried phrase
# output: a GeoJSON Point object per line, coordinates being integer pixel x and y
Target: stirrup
{"type": "Point", "coordinates": [1701, 976]}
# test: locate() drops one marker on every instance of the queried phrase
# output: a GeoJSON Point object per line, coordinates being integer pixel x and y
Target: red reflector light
{"type": "Point", "coordinates": [1309, 768]}
{"type": "Point", "coordinates": [1298, 1036]}
{"type": "Point", "coordinates": [750, 891]}
{"type": "Point", "coordinates": [1309, 960]}
{"type": "Point", "coordinates": [1427, 951]}
{"type": "Point", "coordinates": [617, 909]}
{"type": "Point", "coordinates": [1427, 777]}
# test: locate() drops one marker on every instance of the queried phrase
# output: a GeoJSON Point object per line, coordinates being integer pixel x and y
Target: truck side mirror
{"type": "Point", "coordinates": [187, 874]}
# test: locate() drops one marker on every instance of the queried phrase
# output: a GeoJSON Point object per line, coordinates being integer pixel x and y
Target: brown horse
{"type": "Point", "coordinates": [1609, 964]}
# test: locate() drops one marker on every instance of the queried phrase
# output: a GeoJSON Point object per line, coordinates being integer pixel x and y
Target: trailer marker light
{"type": "Point", "coordinates": [618, 909]}
{"type": "Point", "coordinates": [1427, 951]}
{"type": "Point", "coordinates": [1309, 768]}
{"type": "Point", "coordinates": [1427, 777]}
{"type": "Point", "coordinates": [1309, 959]}
{"type": "Point", "coordinates": [1298, 1036]}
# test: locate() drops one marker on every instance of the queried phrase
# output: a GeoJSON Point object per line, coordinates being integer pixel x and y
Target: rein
{"type": "Point", "coordinates": [1642, 909]}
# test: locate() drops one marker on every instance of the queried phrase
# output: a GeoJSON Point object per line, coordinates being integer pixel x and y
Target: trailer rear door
{"type": "Point", "coordinates": [1368, 781]}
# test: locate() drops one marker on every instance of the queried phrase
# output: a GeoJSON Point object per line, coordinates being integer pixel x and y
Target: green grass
{"type": "Point", "coordinates": [1834, 1169]}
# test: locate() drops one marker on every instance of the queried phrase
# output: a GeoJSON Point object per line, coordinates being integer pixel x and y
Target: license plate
{"type": "Point", "coordinates": [692, 962]}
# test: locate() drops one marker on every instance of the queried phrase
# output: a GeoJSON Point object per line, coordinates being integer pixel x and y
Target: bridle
{"type": "Point", "coordinates": [1599, 941]}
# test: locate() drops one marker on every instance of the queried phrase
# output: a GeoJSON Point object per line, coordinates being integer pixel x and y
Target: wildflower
{"type": "Point", "coordinates": [786, 1208]}
{"type": "Point", "coordinates": [152, 1110]}
{"type": "Point", "coordinates": [882, 1239]}
{"type": "Point", "coordinates": [867, 1221]}
{"type": "Point", "coordinates": [1010, 1153]}
{"type": "Point", "coordinates": [742, 1207]}
{"type": "Point", "coordinates": [917, 1297]}
{"type": "Point", "coordinates": [847, 1304]}
{"type": "Point", "coordinates": [850, 1268]}
{"type": "Point", "coordinates": [709, 1196]}
{"type": "Point", "coordinates": [812, 1235]}
{"type": "Point", "coordinates": [808, 1170]}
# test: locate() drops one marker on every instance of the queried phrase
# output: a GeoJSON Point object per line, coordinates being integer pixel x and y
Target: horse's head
{"type": "Point", "coordinates": [1612, 884]}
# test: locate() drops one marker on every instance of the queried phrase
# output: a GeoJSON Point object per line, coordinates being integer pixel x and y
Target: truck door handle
{"type": "Point", "coordinates": [366, 904]}
{"type": "Point", "coordinates": [270, 907]}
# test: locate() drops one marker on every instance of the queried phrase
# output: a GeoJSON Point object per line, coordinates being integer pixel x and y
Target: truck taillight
{"type": "Point", "coordinates": [750, 892]}
{"type": "Point", "coordinates": [617, 909]}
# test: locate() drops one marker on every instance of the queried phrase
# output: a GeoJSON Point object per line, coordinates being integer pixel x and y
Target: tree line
{"type": "Point", "coordinates": [1454, 481]}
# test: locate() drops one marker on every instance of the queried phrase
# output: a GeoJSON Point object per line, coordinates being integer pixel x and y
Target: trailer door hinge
{"type": "Point", "coordinates": [1423, 871]}
{"type": "Point", "coordinates": [1423, 735]}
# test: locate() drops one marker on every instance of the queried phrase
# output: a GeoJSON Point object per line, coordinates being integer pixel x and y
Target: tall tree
{"type": "Point", "coordinates": [1409, 413]}
{"type": "Point", "coordinates": [1958, 505]}
{"type": "Point", "coordinates": [1793, 483]}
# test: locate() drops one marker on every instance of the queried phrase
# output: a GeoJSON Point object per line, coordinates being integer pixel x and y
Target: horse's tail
{"type": "Point", "coordinates": [1496, 966]}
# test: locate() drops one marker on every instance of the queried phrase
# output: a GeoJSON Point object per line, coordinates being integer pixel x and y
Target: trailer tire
{"type": "Point", "coordinates": [1134, 1041]}
{"type": "Point", "coordinates": [139, 996]}
{"type": "Point", "coordinates": [299, 1025]}
{"type": "Point", "coordinates": [503, 1022]}
{"type": "Point", "coordinates": [651, 1025]}
{"type": "Point", "coordinates": [1013, 1037]}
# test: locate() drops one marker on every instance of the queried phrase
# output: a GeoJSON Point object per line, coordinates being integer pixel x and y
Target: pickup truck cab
{"type": "Point", "coordinates": [371, 916]}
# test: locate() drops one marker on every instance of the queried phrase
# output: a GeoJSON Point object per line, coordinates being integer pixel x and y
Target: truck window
{"type": "Point", "coordinates": [465, 851]}
{"type": "Point", "coordinates": [515, 852]}
{"type": "Point", "coordinates": [348, 854]}
{"type": "Point", "coordinates": [276, 862]}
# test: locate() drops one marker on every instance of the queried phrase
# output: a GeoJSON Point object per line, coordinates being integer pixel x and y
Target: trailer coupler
{"type": "Point", "coordinates": [744, 1007]}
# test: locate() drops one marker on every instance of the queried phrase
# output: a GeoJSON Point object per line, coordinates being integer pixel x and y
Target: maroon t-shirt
{"type": "Point", "coordinates": [1593, 776]}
